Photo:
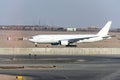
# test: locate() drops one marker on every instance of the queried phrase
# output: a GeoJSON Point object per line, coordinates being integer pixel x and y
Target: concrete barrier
{"type": "Point", "coordinates": [60, 51]}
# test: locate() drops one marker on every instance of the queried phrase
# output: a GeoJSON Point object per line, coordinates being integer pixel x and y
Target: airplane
{"type": "Point", "coordinates": [70, 39]}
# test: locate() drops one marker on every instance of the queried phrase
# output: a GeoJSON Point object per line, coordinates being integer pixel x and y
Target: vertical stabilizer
{"type": "Point", "coordinates": [105, 29]}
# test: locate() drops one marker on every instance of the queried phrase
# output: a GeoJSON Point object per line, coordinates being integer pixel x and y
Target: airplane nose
{"type": "Point", "coordinates": [31, 39]}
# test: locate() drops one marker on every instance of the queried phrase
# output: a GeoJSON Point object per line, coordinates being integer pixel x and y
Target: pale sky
{"type": "Point", "coordinates": [65, 13]}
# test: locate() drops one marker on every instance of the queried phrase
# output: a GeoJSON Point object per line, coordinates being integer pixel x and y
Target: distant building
{"type": "Point", "coordinates": [71, 29]}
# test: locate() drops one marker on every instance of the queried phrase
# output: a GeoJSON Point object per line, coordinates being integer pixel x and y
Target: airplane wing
{"type": "Point", "coordinates": [77, 39]}
{"type": "Point", "coordinates": [73, 40]}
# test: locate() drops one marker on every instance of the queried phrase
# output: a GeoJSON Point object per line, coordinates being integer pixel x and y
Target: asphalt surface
{"type": "Point", "coordinates": [67, 67]}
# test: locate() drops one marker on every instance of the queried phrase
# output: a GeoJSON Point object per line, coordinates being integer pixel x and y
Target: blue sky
{"type": "Point", "coordinates": [65, 13]}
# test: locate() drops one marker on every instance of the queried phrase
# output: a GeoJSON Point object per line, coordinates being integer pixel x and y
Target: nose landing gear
{"type": "Point", "coordinates": [36, 45]}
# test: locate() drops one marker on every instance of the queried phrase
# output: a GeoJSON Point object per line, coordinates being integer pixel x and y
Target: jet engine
{"type": "Point", "coordinates": [55, 43]}
{"type": "Point", "coordinates": [64, 42]}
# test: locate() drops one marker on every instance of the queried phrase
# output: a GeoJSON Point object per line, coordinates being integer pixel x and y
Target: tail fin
{"type": "Point", "coordinates": [105, 29]}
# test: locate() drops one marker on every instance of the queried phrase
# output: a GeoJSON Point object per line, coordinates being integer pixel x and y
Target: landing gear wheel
{"type": "Point", "coordinates": [36, 45]}
{"type": "Point", "coordinates": [71, 45]}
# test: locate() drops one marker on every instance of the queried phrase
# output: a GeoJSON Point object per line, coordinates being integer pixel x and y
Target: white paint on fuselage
{"type": "Point", "coordinates": [57, 38]}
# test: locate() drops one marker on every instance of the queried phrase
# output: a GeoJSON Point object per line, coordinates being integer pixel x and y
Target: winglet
{"type": "Point", "coordinates": [105, 29]}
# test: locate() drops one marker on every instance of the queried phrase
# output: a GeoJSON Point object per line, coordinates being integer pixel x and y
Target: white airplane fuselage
{"type": "Point", "coordinates": [57, 38]}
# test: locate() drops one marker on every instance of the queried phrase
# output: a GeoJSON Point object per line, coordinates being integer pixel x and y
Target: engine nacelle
{"type": "Point", "coordinates": [55, 43]}
{"type": "Point", "coordinates": [64, 42]}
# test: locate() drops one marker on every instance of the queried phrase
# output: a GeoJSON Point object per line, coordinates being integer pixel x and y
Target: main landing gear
{"type": "Point", "coordinates": [71, 45]}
